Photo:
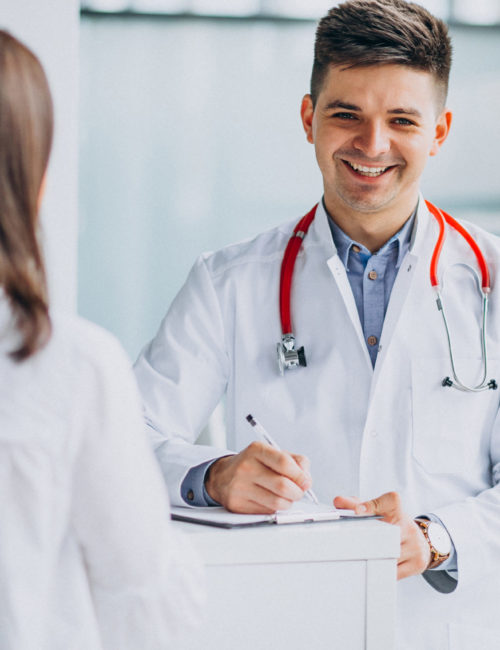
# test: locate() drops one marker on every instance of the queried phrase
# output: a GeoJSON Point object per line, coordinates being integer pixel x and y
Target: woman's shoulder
{"type": "Point", "coordinates": [88, 367]}
{"type": "Point", "coordinates": [84, 342]}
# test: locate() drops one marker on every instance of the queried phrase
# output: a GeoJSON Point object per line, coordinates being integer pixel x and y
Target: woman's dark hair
{"type": "Point", "coordinates": [376, 32]}
{"type": "Point", "coordinates": [26, 128]}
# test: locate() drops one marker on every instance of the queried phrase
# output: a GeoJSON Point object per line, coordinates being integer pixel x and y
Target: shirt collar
{"type": "Point", "coordinates": [344, 243]}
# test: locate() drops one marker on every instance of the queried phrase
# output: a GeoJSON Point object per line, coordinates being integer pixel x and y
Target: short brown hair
{"type": "Point", "coordinates": [26, 126]}
{"type": "Point", "coordinates": [377, 32]}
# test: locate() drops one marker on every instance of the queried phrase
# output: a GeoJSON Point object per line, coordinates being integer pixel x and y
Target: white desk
{"type": "Point", "coordinates": [309, 586]}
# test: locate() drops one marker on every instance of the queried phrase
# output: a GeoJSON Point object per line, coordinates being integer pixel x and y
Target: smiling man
{"type": "Point", "coordinates": [373, 405]}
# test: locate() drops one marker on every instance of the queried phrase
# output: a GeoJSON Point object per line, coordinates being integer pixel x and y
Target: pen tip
{"type": "Point", "coordinates": [250, 419]}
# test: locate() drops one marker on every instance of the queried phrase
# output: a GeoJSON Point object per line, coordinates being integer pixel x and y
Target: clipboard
{"type": "Point", "coordinates": [300, 513]}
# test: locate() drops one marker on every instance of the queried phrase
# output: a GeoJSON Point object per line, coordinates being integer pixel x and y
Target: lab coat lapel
{"type": "Point", "coordinates": [402, 285]}
{"type": "Point", "coordinates": [321, 234]}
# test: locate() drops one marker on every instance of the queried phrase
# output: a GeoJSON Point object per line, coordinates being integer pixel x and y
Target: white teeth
{"type": "Point", "coordinates": [367, 171]}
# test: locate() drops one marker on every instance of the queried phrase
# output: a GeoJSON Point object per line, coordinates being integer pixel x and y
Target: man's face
{"type": "Point", "coordinates": [373, 129]}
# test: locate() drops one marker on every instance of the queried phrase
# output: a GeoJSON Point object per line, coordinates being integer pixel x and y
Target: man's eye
{"type": "Point", "coordinates": [403, 121]}
{"type": "Point", "coordinates": [345, 116]}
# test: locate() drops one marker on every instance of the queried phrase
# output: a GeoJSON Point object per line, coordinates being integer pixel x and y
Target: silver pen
{"type": "Point", "coordinates": [265, 437]}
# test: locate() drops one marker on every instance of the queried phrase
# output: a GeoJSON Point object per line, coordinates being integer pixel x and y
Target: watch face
{"type": "Point", "coordinates": [439, 538]}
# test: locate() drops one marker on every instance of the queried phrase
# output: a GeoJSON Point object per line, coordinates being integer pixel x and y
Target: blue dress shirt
{"type": "Point", "coordinates": [372, 277]}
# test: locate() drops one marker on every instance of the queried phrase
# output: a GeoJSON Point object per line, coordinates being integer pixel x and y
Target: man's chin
{"type": "Point", "coordinates": [366, 202]}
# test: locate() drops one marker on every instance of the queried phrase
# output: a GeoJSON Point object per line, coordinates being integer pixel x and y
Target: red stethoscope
{"type": "Point", "coordinates": [291, 357]}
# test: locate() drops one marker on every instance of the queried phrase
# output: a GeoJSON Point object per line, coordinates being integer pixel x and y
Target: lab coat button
{"type": "Point", "coordinates": [372, 340]}
{"type": "Point", "coordinates": [190, 495]}
{"type": "Point", "coordinates": [373, 433]}
{"type": "Point", "coordinates": [373, 275]}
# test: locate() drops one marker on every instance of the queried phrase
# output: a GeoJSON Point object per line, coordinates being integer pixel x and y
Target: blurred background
{"type": "Point", "coordinates": [190, 138]}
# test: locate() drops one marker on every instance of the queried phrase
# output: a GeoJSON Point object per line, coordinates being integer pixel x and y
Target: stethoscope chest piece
{"type": "Point", "coordinates": [288, 356]}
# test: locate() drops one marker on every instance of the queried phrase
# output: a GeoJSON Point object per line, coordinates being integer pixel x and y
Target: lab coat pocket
{"type": "Point", "coordinates": [451, 428]}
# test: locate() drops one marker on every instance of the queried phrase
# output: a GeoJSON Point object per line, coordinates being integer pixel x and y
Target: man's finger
{"type": "Point", "coordinates": [388, 506]}
{"type": "Point", "coordinates": [282, 463]}
{"type": "Point", "coordinates": [347, 503]}
{"type": "Point", "coordinates": [303, 462]}
{"type": "Point", "coordinates": [265, 501]}
{"type": "Point", "coordinates": [278, 485]}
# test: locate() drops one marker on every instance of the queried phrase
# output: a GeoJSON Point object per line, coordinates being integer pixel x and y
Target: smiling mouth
{"type": "Point", "coordinates": [370, 172]}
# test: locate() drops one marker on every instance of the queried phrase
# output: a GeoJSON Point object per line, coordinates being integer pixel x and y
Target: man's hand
{"type": "Point", "coordinates": [260, 479]}
{"type": "Point", "coordinates": [415, 551]}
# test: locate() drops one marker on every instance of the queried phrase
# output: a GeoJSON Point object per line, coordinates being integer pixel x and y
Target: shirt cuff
{"type": "Point", "coordinates": [193, 486]}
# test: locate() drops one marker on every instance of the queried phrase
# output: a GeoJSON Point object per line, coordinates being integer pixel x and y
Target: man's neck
{"type": "Point", "coordinates": [372, 229]}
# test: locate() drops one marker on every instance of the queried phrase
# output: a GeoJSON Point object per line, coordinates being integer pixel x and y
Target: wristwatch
{"type": "Point", "coordinates": [438, 539]}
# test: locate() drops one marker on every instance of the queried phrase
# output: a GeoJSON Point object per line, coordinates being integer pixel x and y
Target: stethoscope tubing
{"type": "Point", "coordinates": [483, 384]}
{"type": "Point", "coordinates": [441, 217]}
{"type": "Point", "coordinates": [288, 266]}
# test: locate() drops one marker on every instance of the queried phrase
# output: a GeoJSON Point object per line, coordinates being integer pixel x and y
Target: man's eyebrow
{"type": "Point", "coordinates": [337, 103]}
{"type": "Point", "coordinates": [405, 111]}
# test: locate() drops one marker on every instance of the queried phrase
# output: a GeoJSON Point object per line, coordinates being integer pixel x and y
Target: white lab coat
{"type": "Point", "coordinates": [88, 556]}
{"type": "Point", "coordinates": [367, 431]}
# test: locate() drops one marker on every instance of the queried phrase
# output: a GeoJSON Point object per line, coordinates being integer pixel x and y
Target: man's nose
{"type": "Point", "coordinates": [373, 139]}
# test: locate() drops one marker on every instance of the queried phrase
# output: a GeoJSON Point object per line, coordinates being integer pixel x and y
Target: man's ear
{"type": "Point", "coordinates": [307, 113]}
{"type": "Point", "coordinates": [441, 133]}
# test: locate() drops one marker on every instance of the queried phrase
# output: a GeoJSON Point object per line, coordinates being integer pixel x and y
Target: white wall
{"type": "Point", "coordinates": [50, 28]}
{"type": "Point", "coordinates": [191, 139]}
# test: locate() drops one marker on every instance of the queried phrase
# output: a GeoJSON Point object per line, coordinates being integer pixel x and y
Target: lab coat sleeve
{"type": "Point", "coordinates": [146, 582]}
{"type": "Point", "coordinates": [474, 526]}
{"type": "Point", "coordinates": [182, 375]}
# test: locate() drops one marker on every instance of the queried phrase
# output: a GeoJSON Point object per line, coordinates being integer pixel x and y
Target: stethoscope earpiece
{"type": "Point", "coordinates": [491, 385]}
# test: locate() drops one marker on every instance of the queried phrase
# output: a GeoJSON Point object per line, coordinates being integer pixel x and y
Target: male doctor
{"type": "Point", "coordinates": [369, 411]}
